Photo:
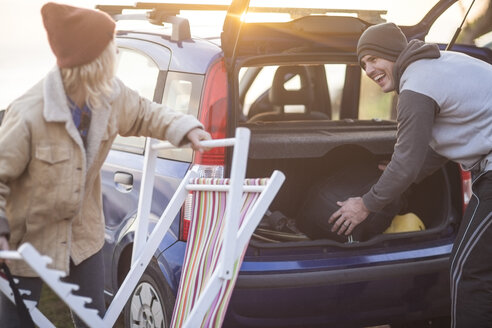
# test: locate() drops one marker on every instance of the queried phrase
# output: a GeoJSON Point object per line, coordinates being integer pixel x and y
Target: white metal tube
{"type": "Point", "coordinates": [206, 143]}
{"type": "Point", "coordinates": [140, 263]}
{"type": "Point", "coordinates": [145, 198]}
{"type": "Point", "coordinates": [233, 201]}
{"type": "Point", "coordinates": [255, 214]}
{"type": "Point", "coordinates": [204, 301]}
{"type": "Point", "coordinates": [10, 255]}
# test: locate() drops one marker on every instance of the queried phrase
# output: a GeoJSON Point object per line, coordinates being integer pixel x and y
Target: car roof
{"type": "Point", "coordinates": [194, 55]}
{"type": "Point", "coordinates": [159, 24]}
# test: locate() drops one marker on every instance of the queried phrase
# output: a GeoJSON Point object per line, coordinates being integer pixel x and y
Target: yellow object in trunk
{"type": "Point", "coordinates": [405, 223]}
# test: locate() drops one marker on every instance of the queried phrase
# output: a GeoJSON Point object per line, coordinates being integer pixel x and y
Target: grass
{"type": "Point", "coordinates": [57, 311]}
{"type": "Point", "coordinates": [54, 309]}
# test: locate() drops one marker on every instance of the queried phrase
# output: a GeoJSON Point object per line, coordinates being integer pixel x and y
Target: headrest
{"type": "Point", "coordinates": [279, 96]}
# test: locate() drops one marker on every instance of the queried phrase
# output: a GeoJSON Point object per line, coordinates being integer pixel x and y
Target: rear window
{"type": "Point", "coordinates": [315, 91]}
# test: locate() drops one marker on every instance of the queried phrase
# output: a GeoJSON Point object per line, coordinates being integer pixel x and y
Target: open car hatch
{"type": "Point", "coordinates": [315, 29]}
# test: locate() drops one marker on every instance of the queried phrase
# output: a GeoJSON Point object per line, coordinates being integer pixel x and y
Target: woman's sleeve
{"type": "Point", "coordinates": [14, 157]}
{"type": "Point", "coordinates": [139, 116]}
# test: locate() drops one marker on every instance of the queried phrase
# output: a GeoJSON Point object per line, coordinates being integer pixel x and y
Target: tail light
{"type": "Point", "coordinates": [213, 115]}
{"type": "Point", "coordinates": [186, 218]}
{"type": "Point", "coordinates": [466, 188]}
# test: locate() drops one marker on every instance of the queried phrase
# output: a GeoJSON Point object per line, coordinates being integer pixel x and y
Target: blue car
{"type": "Point", "coordinates": [296, 84]}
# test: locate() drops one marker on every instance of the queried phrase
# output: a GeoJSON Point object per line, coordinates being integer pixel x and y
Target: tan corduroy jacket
{"type": "Point", "coordinates": [50, 189]}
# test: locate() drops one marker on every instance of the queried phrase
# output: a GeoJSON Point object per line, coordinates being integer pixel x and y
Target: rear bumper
{"type": "Point", "coordinates": [320, 278]}
{"type": "Point", "coordinates": [391, 293]}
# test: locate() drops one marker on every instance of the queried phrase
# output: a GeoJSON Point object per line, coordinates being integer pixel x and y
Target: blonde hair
{"type": "Point", "coordinates": [96, 77]}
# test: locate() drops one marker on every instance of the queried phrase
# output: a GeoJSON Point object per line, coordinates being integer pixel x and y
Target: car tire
{"type": "Point", "coordinates": [151, 302]}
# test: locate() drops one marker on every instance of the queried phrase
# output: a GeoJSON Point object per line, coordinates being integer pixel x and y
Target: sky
{"type": "Point", "coordinates": [25, 56]}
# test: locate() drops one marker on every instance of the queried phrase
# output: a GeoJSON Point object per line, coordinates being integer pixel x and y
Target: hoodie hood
{"type": "Point", "coordinates": [415, 50]}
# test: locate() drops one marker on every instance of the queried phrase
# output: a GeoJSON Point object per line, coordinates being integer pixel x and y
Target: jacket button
{"type": "Point", "coordinates": [79, 169]}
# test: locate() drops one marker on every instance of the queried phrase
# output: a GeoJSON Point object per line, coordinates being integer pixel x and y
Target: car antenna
{"type": "Point", "coordinates": [458, 30]}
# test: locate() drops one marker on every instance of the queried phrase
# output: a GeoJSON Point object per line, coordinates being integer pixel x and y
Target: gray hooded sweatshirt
{"type": "Point", "coordinates": [444, 113]}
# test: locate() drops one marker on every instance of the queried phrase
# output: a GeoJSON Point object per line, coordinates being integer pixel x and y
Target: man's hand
{"type": "Point", "coordinates": [351, 213]}
{"type": "Point", "coordinates": [4, 246]}
{"type": "Point", "coordinates": [195, 136]}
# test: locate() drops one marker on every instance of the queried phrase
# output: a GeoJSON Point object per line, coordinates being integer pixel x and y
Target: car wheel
{"type": "Point", "coordinates": [151, 303]}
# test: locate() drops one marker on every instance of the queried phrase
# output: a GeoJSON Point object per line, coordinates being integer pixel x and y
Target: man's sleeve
{"type": "Point", "coordinates": [433, 161]}
{"type": "Point", "coordinates": [415, 117]}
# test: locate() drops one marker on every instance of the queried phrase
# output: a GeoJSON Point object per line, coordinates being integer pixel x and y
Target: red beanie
{"type": "Point", "coordinates": [76, 35]}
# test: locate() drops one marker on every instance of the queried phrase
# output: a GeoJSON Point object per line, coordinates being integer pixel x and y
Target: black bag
{"type": "Point", "coordinates": [352, 180]}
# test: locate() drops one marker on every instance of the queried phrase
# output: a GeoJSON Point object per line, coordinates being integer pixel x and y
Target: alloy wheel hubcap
{"type": "Point", "coordinates": [146, 308]}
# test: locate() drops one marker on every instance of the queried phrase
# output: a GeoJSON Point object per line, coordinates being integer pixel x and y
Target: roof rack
{"type": "Point", "coordinates": [159, 13]}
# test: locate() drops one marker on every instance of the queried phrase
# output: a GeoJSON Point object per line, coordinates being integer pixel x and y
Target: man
{"type": "Point", "coordinates": [53, 142]}
{"type": "Point", "coordinates": [444, 113]}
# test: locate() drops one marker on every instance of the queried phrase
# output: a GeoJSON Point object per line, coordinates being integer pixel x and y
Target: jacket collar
{"type": "Point", "coordinates": [56, 106]}
{"type": "Point", "coordinates": [55, 100]}
{"type": "Point", "coordinates": [56, 110]}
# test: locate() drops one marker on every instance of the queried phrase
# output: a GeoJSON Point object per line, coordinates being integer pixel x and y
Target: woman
{"type": "Point", "coordinates": [54, 140]}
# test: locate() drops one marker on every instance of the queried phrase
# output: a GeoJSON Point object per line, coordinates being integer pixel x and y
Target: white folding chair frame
{"type": "Point", "coordinates": [52, 277]}
{"type": "Point", "coordinates": [144, 247]}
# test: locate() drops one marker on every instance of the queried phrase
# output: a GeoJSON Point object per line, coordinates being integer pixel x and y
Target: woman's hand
{"type": "Point", "coordinates": [351, 213]}
{"type": "Point", "coordinates": [195, 136]}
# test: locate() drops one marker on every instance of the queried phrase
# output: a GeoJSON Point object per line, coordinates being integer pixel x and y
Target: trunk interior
{"type": "Point", "coordinates": [430, 200]}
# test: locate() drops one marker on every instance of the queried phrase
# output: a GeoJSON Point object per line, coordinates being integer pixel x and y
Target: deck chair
{"type": "Point", "coordinates": [206, 282]}
{"type": "Point", "coordinates": [225, 214]}
{"type": "Point", "coordinates": [254, 196]}
{"type": "Point", "coordinates": [234, 237]}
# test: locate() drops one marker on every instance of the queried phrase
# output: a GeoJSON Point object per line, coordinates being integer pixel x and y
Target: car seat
{"type": "Point", "coordinates": [280, 97]}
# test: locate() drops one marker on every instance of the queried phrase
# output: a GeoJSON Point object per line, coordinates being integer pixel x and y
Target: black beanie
{"type": "Point", "coordinates": [384, 40]}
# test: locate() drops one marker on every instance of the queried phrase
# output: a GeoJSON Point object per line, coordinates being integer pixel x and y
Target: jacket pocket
{"type": "Point", "coordinates": [53, 174]}
{"type": "Point", "coordinates": [52, 164]}
{"type": "Point", "coordinates": [52, 154]}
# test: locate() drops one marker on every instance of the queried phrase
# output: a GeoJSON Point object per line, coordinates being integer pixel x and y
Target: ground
{"type": "Point", "coordinates": [57, 311]}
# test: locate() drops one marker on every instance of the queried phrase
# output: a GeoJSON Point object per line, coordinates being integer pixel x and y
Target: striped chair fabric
{"type": "Point", "coordinates": [203, 250]}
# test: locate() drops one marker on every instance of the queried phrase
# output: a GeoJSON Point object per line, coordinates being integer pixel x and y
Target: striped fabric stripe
{"type": "Point", "coordinates": [203, 250]}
